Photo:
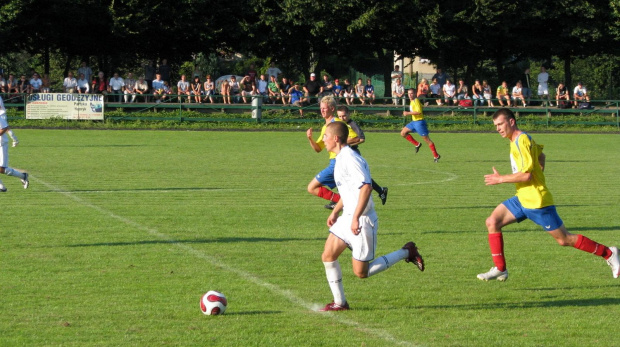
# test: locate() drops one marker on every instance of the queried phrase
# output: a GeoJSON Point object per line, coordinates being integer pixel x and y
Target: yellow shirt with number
{"type": "Point", "coordinates": [319, 140]}
{"type": "Point", "coordinates": [524, 153]}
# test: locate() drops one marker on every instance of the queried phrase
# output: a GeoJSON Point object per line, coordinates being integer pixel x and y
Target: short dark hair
{"type": "Point", "coordinates": [340, 129]}
{"type": "Point", "coordinates": [343, 108]}
{"type": "Point", "coordinates": [506, 112]}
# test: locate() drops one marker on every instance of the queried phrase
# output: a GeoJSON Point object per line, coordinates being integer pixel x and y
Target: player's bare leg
{"type": "Point", "coordinates": [610, 254]}
{"type": "Point", "coordinates": [405, 133]}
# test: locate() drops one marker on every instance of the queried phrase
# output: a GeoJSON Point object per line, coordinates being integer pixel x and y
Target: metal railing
{"type": "Point", "coordinates": [381, 105]}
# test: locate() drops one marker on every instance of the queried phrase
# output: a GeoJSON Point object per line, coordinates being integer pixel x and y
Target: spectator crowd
{"type": "Point", "coordinates": [154, 85]}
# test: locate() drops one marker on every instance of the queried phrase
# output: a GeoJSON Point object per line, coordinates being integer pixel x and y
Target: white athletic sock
{"type": "Point", "coordinates": [12, 172]}
{"type": "Point", "coordinates": [384, 262]}
{"type": "Point", "coordinates": [12, 135]}
{"type": "Point", "coordinates": [334, 278]}
{"type": "Point", "coordinates": [2, 187]}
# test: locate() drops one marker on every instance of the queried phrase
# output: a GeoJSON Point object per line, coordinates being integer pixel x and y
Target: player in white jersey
{"type": "Point", "coordinates": [357, 227]}
{"type": "Point", "coordinates": [9, 131]}
{"type": "Point", "coordinates": [4, 152]}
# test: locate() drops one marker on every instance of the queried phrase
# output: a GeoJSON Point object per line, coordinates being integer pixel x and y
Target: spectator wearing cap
{"type": "Point", "coordinates": [297, 98]}
{"type": "Point", "coordinates": [313, 89]}
{"type": "Point", "coordinates": [337, 89]}
{"type": "Point", "coordinates": [580, 94]}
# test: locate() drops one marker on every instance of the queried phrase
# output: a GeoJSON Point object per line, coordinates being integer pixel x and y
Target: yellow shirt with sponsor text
{"type": "Point", "coordinates": [524, 153]}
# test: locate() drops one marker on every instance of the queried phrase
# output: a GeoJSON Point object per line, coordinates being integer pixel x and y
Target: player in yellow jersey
{"type": "Point", "coordinates": [325, 178]}
{"type": "Point", "coordinates": [533, 201]}
{"type": "Point", "coordinates": [417, 124]}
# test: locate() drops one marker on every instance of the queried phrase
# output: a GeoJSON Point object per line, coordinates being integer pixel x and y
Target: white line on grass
{"type": "Point", "coordinates": [215, 262]}
{"type": "Point", "coordinates": [449, 177]}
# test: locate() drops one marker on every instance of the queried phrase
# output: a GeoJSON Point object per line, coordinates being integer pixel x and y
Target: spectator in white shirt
{"type": "Point", "coordinates": [398, 92]}
{"type": "Point", "coordinates": [35, 83]}
{"type": "Point", "coordinates": [70, 83]}
{"type": "Point", "coordinates": [183, 89]}
{"type": "Point", "coordinates": [130, 88]}
{"type": "Point", "coordinates": [115, 87]}
{"type": "Point", "coordinates": [82, 85]}
{"type": "Point", "coordinates": [273, 71]}
{"type": "Point", "coordinates": [580, 94]}
{"type": "Point", "coordinates": [142, 87]}
{"type": "Point", "coordinates": [449, 92]}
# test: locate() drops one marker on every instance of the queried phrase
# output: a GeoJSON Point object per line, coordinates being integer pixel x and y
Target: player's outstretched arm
{"type": "Point", "coordinates": [496, 178]}
{"type": "Point", "coordinates": [313, 144]}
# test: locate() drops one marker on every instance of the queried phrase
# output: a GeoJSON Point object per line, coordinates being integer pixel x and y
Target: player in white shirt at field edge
{"type": "Point", "coordinates": [4, 152]}
{"type": "Point", "coordinates": [357, 227]}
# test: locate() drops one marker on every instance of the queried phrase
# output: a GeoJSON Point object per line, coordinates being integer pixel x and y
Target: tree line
{"type": "Point", "coordinates": [469, 39]}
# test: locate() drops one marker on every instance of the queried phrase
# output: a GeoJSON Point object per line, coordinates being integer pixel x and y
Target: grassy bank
{"type": "Point", "coordinates": [285, 120]}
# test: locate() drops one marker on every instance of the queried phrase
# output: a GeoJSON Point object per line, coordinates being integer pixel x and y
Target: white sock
{"type": "Point", "coordinates": [384, 262]}
{"type": "Point", "coordinates": [334, 278]}
{"type": "Point", "coordinates": [2, 187]}
{"type": "Point", "coordinates": [12, 172]}
{"type": "Point", "coordinates": [12, 135]}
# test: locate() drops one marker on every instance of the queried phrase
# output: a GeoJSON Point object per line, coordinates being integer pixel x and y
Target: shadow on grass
{"type": "Point", "coordinates": [141, 189]}
{"type": "Point", "coordinates": [567, 288]}
{"type": "Point", "coordinates": [251, 313]}
{"type": "Point", "coordinates": [527, 304]}
{"type": "Point", "coordinates": [488, 207]}
{"type": "Point", "coordinates": [95, 146]}
{"type": "Point", "coordinates": [482, 231]}
{"type": "Point", "coordinates": [593, 228]}
{"type": "Point", "coordinates": [215, 240]}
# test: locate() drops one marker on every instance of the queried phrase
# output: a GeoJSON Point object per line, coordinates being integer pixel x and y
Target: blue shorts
{"type": "Point", "coordinates": [546, 217]}
{"type": "Point", "coordinates": [419, 126]}
{"type": "Point", "coordinates": [326, 176]}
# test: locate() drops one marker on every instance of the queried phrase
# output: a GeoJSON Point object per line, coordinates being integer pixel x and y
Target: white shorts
{"type": "Point", "coordinates": [543, 90]}
{"type": "Point", "coordinates": [4, 155]}
{"type": "Point", "coordinates": [362, 245]}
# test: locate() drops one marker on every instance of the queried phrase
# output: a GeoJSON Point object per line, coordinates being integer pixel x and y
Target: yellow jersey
{"type": "Point", "coordinates": [524, 153]}
{"type": "Point", "coordinates": [416, 106]}
{"type": "Point", "coordinates": [319, 140]}
{"type": "Point", "coordinates": [502, 91]}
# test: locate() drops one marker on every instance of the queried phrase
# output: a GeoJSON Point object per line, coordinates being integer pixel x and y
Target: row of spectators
{"type": "Point", "coordinates": [155, 85]}
{"type": "Point", "coordinates": [446, 93]}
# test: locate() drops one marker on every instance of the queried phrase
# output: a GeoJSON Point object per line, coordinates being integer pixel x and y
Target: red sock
{"type": "Point", "coordinates": [585, 244]}
{"type": "Point", "coordinates": [496, 242]}
{"type": "Point", "coordinates": [328, 194]}
{"type": "Point", "coordinates": [432, 147]}
{"type": "Point", "coordinates": [336, 197]}
{"type": "Point", "coordinates": [412, 140]}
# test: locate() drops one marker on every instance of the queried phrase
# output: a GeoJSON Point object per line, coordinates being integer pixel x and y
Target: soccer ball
{"type": "Point", "coordinates": [213, 303]}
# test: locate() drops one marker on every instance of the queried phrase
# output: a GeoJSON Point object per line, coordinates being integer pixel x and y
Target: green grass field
{"type": "Point", "coordinates": [121, 232]}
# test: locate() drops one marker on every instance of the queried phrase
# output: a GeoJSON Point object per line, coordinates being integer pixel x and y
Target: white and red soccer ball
{"type": "Point", "coordinates": [213, 303]}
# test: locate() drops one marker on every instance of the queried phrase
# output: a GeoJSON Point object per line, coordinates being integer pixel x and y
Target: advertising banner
{"type": "Point", "coordinates": [65, 106]}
